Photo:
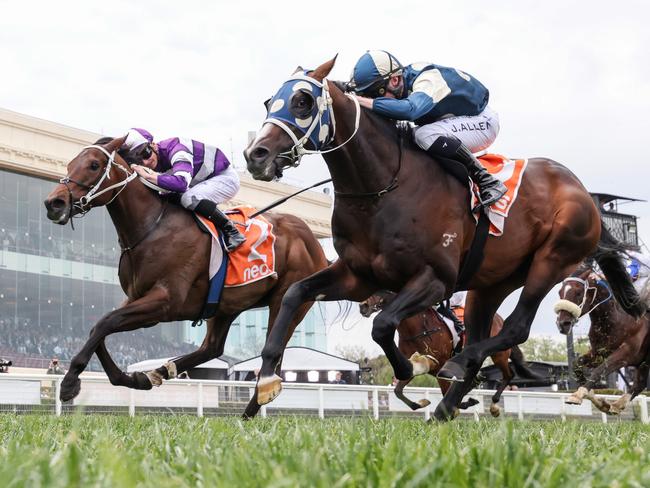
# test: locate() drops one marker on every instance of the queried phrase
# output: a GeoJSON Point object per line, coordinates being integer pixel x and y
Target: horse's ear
{"type": "Point", "coordinates": [324, 69]}
{"type": "Point", "coordinates": [116, 144]}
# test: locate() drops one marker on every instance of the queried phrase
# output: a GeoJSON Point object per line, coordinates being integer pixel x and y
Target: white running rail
{"type": "Point", "coordinates": [40, 393]}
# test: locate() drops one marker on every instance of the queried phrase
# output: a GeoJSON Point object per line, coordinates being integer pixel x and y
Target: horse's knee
{"type": "Point", "coordinates": [382, 330]}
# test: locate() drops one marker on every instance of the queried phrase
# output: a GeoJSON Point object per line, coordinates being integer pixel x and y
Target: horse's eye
{"type": "Point", "coordinates": [94, 165]}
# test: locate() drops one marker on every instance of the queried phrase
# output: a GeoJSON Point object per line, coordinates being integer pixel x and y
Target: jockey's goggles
{"type": "Point", "coordinates": [146, 152]}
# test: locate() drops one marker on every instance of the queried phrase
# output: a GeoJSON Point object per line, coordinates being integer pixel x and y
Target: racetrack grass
{"type": "Point", "coordinates": [175, 451]}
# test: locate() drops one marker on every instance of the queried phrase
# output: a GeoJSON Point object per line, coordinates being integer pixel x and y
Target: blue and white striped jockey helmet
{"type": "Point", "coordinates": [374, 68]}
{"type": "Point", "coordinates": [313, 121]}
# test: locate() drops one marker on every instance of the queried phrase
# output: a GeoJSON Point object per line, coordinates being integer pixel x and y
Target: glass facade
{"type": "Point", "coordinates": [56, 283]}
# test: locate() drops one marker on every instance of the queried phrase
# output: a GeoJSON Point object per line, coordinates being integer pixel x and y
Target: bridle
{"type": "Point", "coordinates": [323, 117]}
{"type": "Point", "coordinates": [83, 204]}
{"type": "Point", "coordinates": [577, 310]}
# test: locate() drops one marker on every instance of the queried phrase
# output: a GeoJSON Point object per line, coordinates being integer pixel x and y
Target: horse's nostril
{"type": "Point", "coordinates": [260, 153]}
{"type": "Point", "coordinates": [57, 204]}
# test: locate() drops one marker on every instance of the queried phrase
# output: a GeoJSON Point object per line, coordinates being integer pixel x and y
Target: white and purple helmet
{"type": "Point", "coordinates": [136, 138]}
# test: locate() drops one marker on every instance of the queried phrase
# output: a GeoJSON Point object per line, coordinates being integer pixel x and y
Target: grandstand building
{"type": "Point", "coordinates": [56, 282]}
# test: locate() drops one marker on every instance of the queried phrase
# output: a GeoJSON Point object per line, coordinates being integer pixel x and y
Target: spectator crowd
{"type": "Point", "coordinates": [23, 338]}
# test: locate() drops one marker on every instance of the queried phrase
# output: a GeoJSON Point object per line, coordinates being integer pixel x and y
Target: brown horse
{"type": "Point", "coordinates": [428, 342]}
{"type": "Point", "coordinates": [616, 339]}
{"type": "Point", "coordinates": [403, 223]}
{"type": "Point", "coordinates": [164, 265]}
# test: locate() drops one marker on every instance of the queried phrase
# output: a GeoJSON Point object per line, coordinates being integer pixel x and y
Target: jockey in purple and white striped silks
{"type": "Point", "coordinates": [199, 172]}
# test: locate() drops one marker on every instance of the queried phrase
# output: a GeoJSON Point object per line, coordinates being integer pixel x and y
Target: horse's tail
{"type": "Point", "coordinates": [520, 365]}
{"type": "Point", "coordinates": [608, 257]}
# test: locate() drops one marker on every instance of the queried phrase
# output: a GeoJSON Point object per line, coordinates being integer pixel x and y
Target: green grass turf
{"type": "Point", "coordinates": [119, 451]}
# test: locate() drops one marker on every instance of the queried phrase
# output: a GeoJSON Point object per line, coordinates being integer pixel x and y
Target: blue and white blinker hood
{"type": "Point", "coordinates": [316, 126]}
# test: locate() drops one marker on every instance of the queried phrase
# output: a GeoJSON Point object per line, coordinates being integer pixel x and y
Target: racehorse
{"type": "Point", "coordinates": [403, 223]}
{"type": "Point", "coordinates": [428, 342]}
{"type": "Point", "coordinates": [163, 267]}
{"type": "Point", "coordinates": [616, 339]}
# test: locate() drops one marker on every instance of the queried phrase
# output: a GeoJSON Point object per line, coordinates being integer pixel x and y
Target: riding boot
{"type": "Point", "coordinates": [490, 188]}
{"type": "Point", "coordinates": [231, 236]}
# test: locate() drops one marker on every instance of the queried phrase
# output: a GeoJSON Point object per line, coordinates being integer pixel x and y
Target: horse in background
{"type": "Point", "coordinates": [616, 338]}
{"type": "Point", "coordinates": [402, 222]}
{"type": "Point", "coordinates": [426, 339]}
{"type": "Point", "coordinates": [163, 267]}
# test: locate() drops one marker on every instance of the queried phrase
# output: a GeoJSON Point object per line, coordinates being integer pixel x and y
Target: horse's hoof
{"type": "Point", "coordinates": [69, 389]}
{"type": "Point", "coordinates": [441, 413]}
{"type": "Point", "coordinates": [421, 364]}
{"type": "Point", "coordinates": [573, 400]}
{"type": "Point", "coordinates": [452, 371]}
{"type": "Point", "coordinates": [268, 388]}
{"type": "Point", "coordinates": [423, 403]}
{"type": "Point", "coordinates": [495, 410]}
{"type": "Point", "coordinates": [141, 381]}
{"type": "Point", "coordinates": [154, 377]}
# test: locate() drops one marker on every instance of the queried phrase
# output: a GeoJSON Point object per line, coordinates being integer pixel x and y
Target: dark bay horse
{"type": "Point", "coordinates": [163, 269]}
{"type": "Point", "coordinates": [402, 223]}
{"type": "Point", "coordinates": [616, 338]}
{"type": "Point", "coordinates": [428, 342]}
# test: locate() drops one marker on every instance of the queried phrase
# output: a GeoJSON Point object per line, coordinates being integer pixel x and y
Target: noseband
{"type": "Point", "coordinates": [574, 309]}
{"type": "Point", "coordinates": [83, 204]}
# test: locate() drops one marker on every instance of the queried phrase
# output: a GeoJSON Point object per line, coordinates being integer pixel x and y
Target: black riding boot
{"type": "Point", "coordinates": [231, 236]}
{"type": "Point", "coordinates": [490, 189]}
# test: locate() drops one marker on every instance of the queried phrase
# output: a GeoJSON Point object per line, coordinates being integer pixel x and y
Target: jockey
{"type": "Point", "coordinates": [639, 270]}
{"type": "Point", "coordinates": [200, 173]}
{"type": "Point", "coordinates": [448, 105]}
{"type": "Point", "coordinates": [454, 310]}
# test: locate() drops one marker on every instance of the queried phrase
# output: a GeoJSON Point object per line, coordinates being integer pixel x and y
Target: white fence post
{"type": "Point", "coordinates": [427, 410]}
{"type": "Point", "coordinates": [263, 411]}
{"type": "Point", "coordinates": [603, 416]}
{"type": "Point", "coordinates": [132, 402]}
{"type": "Point", "coordinates": [57, 397]}
{"type": "Point", "coordinates": [563, 408]}
{"type": "Point", "coordinates": [643, 406]}
{"type": "Point", "coordinates": [375, 403]}
{"type": "Point", "coordinates": [520, 406]}
{"type": "Point", "coordinates": [321, 403]}
{"type": "Point", "coordinates": [216, 396]}
{"type": "Point", "coordinates": [199, 403]}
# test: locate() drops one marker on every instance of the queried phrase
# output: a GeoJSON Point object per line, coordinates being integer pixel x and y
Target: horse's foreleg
{"type": "Point", "coordinates": [419, 293]}
{"type": "Point", "coordinates": [253, 406]}
{"type": "Point", "coordinates": [333, 283]}
{"type": "Point", "coordinates": [144, 312]}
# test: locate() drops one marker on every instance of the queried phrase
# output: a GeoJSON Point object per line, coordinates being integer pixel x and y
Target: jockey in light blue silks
{"type": "Point", "coordinates": [200, 173]}
{"type": "Point", "coordinates": [449, 107]}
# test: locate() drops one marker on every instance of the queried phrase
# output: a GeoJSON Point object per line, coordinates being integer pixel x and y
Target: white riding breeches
{"type": "Point", "coordinates": [476, 132]}
{"type": "Point", "coordinates": [219, 189]}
